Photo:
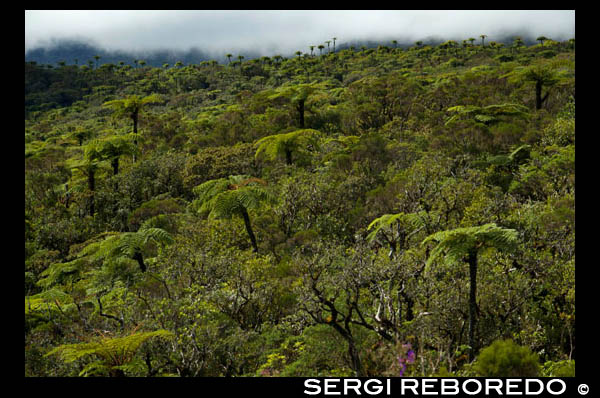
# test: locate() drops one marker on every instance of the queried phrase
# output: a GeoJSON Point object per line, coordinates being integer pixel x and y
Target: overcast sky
{"type": "Point", "coordinates": [279, 31]}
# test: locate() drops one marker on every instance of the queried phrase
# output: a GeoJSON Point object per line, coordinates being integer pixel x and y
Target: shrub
{"type": "Point", "coordinates": [505, 358]}
{"type": "Point", "coordinates": [559, 369]}
{"type": "Point", "coordinates": [151, 209]}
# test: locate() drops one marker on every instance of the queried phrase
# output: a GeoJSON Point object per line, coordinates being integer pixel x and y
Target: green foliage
{"type": "Point", "coordinates": [219, 162]}
{"type": "Point", "coordinates": [226, 197]}
{"type": "Point", "coordinates": [460, 242]}
{"type": "Point", "coordinates": [564, 368]}
{"type": "Point", "coordinates": [487, 115]}
{"type": "Point", "coordinates": [504, 358]}
{"type": "Point", "coordinates": [151, 209]}
{"type": "Point", "coordinates": [114, 352]}
{"type": "Point", "coordinates": [132, 242]}
{"type": "Point", "coordinates": [147, 205]}
{"type": "Point", "coordinates": [287, 145]}
{"type": "Point", "coordinates": [110, 147]}
{"type": "Point", "coordinates": [131, 105]}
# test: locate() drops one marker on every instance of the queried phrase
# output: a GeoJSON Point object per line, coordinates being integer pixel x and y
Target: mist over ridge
{"type": "Point", "coordinates": [168, 36]}
{"type": "Point", "coordinates": [80, 51]}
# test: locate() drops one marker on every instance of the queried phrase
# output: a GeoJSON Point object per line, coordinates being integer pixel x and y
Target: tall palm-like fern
{"type": "Point", "coordinates": [107, 249]}
{"type": "Point", "coordinates": [81, 134]}
{"type": "Point", "coordinates": [233, 196]}
{"type": "Point", "coordinates": [113, 353]}
{"type": "Point", "coordinates": [298, 94]}
{"type": "Point", "coordinates": [286, 144]}
{"type": "Point", "coordinates": [482, 40]}
{"type": "Point", "coordinates": [132, 244]}
{"type": "Point", "coordinates": [464, 244]}
{"type": "Point", "coordinates": [112, 148]}
{"type": "Point", "coordinates": [87, 168]}
{"type": "Point", "coordinates": [132, 107]}
{"type": "Point", "coordinates": [543, 75]}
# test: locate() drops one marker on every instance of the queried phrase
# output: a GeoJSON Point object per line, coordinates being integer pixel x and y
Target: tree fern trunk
{"type": "Point", "coordinates": [116, 373]}
{"type": "Point", "coordinates": [249, 230]}
{"type": "Point", "coordinates": [115, 165]}
{"type": "Point", "coordinates": [67, 196]}
{"type": "Point", "coordinates": [140, 259]}
{"type": "Point", "coordinates": [538, 95]}
{"type": "Point", "coordinates": [300, 108]}
{"type": "Point", "coordinates": [91, 187]}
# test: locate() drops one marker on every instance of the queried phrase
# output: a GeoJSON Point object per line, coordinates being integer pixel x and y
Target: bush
{"type": "Point", "coordinates": [559, 369]}
{"type": "Point", "coordinates": [505, 58]}
{"type": "Point", "coordinates": [151, 209]}
{"type": "Point", "coordinates": [505, 358]}
{"type": "Point", "coordinates": [219, 162]}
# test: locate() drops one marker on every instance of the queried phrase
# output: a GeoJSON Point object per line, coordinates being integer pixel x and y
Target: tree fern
{"type": "Point", "coordinates": [460, 242]}
{"type": "Point", "coordinates": [131, 242]}
{"type": "Point", "coordinates": [53, 298]}
{"type": "Point", "coordinates": [286, 144]}
{"type": "Point", "coordinates": [59, 273]}
{"type": "Point", "coordinates": [297, 94]}
{"type": "Point", "coordinates": [233, 196]}
{"type": "Point", "coordinates": [106, 251]}
{"type": "Point", "coordinates": [132, 107]}
{"type": "Point", "coordinates": [111, 148]}
{"type": "Point", "coordinates": [464, 244]}
{"type": "Point", "coordinates": [545, 74]}
{"type": "Point", "coordinates": [113, 353]}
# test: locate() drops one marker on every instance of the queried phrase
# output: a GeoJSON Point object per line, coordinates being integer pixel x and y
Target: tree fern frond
{"type": "Point", "coordinates": [55, 273]}
{"type": "Point", "coordinates": [112, 351]}
{"type": "Point", "coordinates": [460, 241]}
{"type": "Point", "coordinates": [156, 234]}
{"type": "Point", "coordinates": [272, 146]}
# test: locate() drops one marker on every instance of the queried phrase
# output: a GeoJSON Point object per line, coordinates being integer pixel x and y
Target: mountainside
{"type": "Point", "coordinates": [387, 211]}
{"type": "Point", "coordinates": [81, 52]}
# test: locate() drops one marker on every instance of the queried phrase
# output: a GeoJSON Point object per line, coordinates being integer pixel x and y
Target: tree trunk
{"type": "Point", "coordinates": [249, 230]}
{"type": "Point", "coordinates": [140, 259]}
{"type": "Point", "coordinates": [472, 260]}
{"type": "Point", "coordinates": [539, 100]}
{"type": "Point", "coordinates": [355, 362]}
{"type": "Point", "coordinates": [67, 196]}
{"type": "Point", "coordinates": [91, 187]}
{"type": "Point", "coordinates": [538, 95]}
{"type": "Point", "coordinates": [300, 108]}
{"type": "Point", "coordinates": [355, 359]}
{"type": "Point", "coordinates": [409, 308]}
{"type": "Point", "coordinates": [116, 373]}
{"type": "Point", "coordinates": [115, 165]}
{"type": "Point", "coordinates": [288, 157]}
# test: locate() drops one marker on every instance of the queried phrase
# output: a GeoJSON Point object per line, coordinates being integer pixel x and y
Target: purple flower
{"type": "Point", "coordinates": [410, 356]}
{"type": "Point", "coordinates": [402, 369]}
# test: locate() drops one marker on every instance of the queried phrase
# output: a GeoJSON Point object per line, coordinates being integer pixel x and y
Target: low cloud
{"type": "Point", "coordinates": [269, 32]}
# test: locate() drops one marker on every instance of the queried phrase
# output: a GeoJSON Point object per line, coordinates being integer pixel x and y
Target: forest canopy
{"type": "Point", "coordinates": [362, 212]}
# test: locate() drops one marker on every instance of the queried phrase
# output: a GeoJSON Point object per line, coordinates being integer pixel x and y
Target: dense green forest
{"type": "Point", "coordinates": [357, 212]}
